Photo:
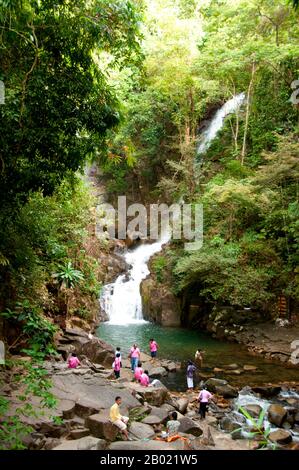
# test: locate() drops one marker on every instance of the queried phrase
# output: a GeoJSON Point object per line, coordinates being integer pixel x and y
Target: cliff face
{"type": "Point", "coordinates": [159, 304]}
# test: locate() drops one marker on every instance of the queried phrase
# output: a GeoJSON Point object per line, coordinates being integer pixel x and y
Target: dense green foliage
{"type": "Point", "coordinates": [55, 60]}
{"type": "Point", "coordinates": [199, 54]}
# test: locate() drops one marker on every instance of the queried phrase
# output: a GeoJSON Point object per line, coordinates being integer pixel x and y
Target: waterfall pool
{"type": "Point", "coordinates": [180, 344]}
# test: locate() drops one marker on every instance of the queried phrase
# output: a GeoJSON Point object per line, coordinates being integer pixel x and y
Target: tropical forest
{"type": "Point", "coordinates": [149, 227]}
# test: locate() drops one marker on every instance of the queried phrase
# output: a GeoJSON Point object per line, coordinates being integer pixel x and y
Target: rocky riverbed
{"type": "Point", "coordinates": [85, 395]}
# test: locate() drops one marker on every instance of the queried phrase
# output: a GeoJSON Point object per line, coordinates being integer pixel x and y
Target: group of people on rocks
{"type": "Point", "coordinates": [142, 377]}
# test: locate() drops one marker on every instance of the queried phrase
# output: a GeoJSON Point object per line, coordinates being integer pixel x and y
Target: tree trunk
{"type": "Point", "coordinates": [249, 95]}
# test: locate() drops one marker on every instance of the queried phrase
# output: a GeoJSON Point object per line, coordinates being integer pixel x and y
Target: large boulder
{"type": "Point", "coordinates": [101, 427]}
{"type": "Point", "coordinates": [280, 436]}
{"type": "Point", "coordinates": [161, 413]}
{"type": "Point", "coordinates": [226, 391]}
{"type": "Point", "coordinates": [157, 372]}
{"type": "Point", "coordinates": [90, 392]}
{"type": "Point", "coordinates": [155, 396]}
{"type": "Point", "coordinates": [277, 414]}
{"type": "Point", "coordinates": [141, 430]}
{"type": "Point", "coordinates": [85, 407]}
{"type": "Point", "coordinates": [152, 420]}
{"type": "Point", "coordinates": [188, 426]}
{"type": "Point", "coordinates": [213, 382]}
{"type": "Point", "coordinates": [182, 404]}
{"type": "Point", "coordinates": [85, 443]}
{"type": "Point", "coordinates": [159, 304]}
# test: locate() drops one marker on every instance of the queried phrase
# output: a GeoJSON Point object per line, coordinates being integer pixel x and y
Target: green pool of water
{"type": "Point", "coordinates": [180, 344]}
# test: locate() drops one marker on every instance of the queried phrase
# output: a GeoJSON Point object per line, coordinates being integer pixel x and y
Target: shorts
{"type": "Point", "coordinates": [121, 423]}
{"type": "Point", "coordinates": [190, 382]}
{"type": "Point", "coordinates": [154, 353]}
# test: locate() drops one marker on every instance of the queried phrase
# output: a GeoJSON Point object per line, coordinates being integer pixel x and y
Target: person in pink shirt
{"type": "Point", "coordinates": [144, 379]}
{"type": "Point", "coordinates": [117, 365]}
{"type": "Point", "coordinates": [73, 361]}
{"type": "Point", "coordinates": [134, 356]}
{"type": "Point", "coordinates": [138, 371]}
{"type": "Point", "coordinates": [153, 348]}
{"type": "Point", "coordinates": [204, 397]}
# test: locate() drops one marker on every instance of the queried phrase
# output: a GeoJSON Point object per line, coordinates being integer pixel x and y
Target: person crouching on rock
{"type": "Point", "coordinates": [138, 371]}
{"type": "Point", "coordinates": [73, 361]}
{"type": "Point", "coordinates": [173, 425]}
{"type": "Point", "coordinates": [144, 379]}
{"type": "Point", "coordinates": [204, 397]}
{"type": "Point", "coordinates": [117, 365]}
{"type": "Point", "coordinates": [117, 419]}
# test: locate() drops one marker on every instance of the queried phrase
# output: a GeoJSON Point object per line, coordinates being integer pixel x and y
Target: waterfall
{"type": "Point", "coordinates": [231, 106]}
{"type": "Point", "coordinates": [121, 300]}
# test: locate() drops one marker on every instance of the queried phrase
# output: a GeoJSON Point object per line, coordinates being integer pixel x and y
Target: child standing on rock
{"type": "Point", "coordinates": [117, 365]}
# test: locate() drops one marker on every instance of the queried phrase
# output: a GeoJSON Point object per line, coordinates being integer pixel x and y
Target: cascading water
{"type": "Point", "coordinates": [231, 106]}
{"type": "Point", "coordinates": [121, 300]}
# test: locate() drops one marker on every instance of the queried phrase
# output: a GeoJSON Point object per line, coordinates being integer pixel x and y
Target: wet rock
{"type": "Point", "coordinates": [100, 426]}
{"type": "Point", "coordinates": [85, 443]}
{"type": "Point", "coordinates": [213, 382]}
{"type": "Point", "coordinates": [141, 430]}
{"type": "Point", "coordinates": [287, 426]}
{"type": "Point", "coordinates": [281, 436]}
{"type": "Point", "coordinates": [235, 372]}
{"type": "Point", "coordinates": [249, 368]}
{"type": "Point", "coordinates": [171, 367]}
{"type": "Point", "coordinates": [188, 426]}
{"type": "Point", "coordinates": [232, 367]}
{"type": "Point", "coordinates": [296, 418]}
{"type": "Point", "coordinates": [267, 391]}
{"type": "Point", "coordinates": [228, 424]}
{"type": "Point", "coordinates": [277, 414]}
{"type": "Point", "coordinates": [253, 410]}
{"type": "Point", "coordinates": [157, 372]}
